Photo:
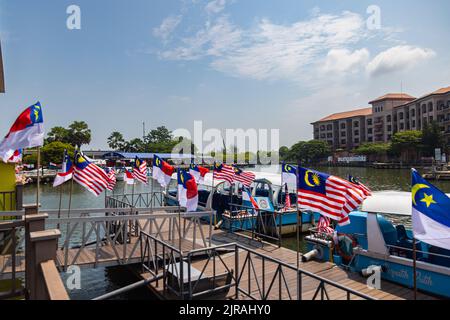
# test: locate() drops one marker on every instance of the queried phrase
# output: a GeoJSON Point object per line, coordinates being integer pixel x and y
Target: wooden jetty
{"type": "Point", "coordinates": [187, 258]}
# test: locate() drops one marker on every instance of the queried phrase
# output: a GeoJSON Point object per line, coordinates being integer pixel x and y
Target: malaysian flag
{"type": "Point", "coordinates": [328, 195]}
{"type": "Point", "coordinates": [246, 178]}
{"type": "Point", "coordinates": [287, 203]}
{"type": "Point", "coordinates": [90, 176]}
{"type": "Point", "coordinates": [367, 192]}
{"type": "Point", "coordinates": [140, 170]}
{"type": "Point", "coordinates": [223, 172]}
{"type": "Point", "coordinates": [324, 225]}
{"type": "Point", "coordinates": [112, 179]}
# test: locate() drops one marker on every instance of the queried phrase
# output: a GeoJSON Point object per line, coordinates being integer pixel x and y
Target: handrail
{"type": "Point", "coordinates": [54, 286]}
{"type": "Point", "coordinates": [213, 252]}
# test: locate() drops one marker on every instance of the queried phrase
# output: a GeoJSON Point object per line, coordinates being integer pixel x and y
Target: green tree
{"type": "Point", "coordinates": [373, 149]}
{"type": "Point", "coordinates": [407, 144]}
{"type": "Point", "coordinates": [54, 151]}
{"type": "Point", "coordinates": [60, 134]}
{"type": "Point", "coordinates": [79, 133]}
{"type": "Point", "coordinates": [158, 135]}
{"type": "Point", "coordinates": [284, 153]}
{"type": "Point", "coordinates": [309, 151]}
{"type": "Point", "coordinates": [134, 145]}
{"type": "Point", "coordinates": [432, 138]}
{"type": "Point", "coordinates": [116, 141]}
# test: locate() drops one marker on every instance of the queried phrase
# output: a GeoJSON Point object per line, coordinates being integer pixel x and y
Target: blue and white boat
{"type": "Point", "coordinates": [234, 213]}
{"type": "Point", "coordinates": [371, 240]}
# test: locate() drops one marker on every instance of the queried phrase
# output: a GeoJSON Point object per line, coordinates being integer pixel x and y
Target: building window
{"type": "Point", "coordinates": [329, 135]}
{"type": "Point", "coordinates": [343, 142]}
{"type": "Point", "coordinates": [322, 128]}
{"type": "Point", "coordinates": [413, 112]}
{"type": "Point", "coordinates": [356, 124]}
{"type": "Point", "coordinates": [402, 126]}
{"type": "Point", "coordinates": [389, 128]}
{"type": "Point", "coordinates": [322, 136]}
{"type": "Point", "coordinates": [430, 107]}
{"type": "Point", "coordinates": [401, 115]}
{"type": "Point", "coordinates": [329, 127]}
{"type": "Point", "coordinates": [342, 125]}
{"type": "Point", "coordinates": [389, 136]}
{"type": "Point", "coordinates": [370, 131]}
{"type": "Point", "coordinates": [343, 134]}
{"type": "Point", "coordinates": [356, 140]}
{"type": "Point", "coordinates": [424, 108]}
{"type": "Point", "coordinates": [369, 121]}
{"type": "Point", "coordinates": [370, 139]}
{"type": "Point", "coordinates": [356, 132]}
{"type": "Point", "coordinates": [431, 118]}
{"type": "Point", "coordinates": [414, 123]}
{"type": "Point", "coordinates": [389, 118]}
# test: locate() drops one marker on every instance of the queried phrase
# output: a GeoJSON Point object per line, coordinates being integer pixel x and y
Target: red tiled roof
{"type": "Point", "coordinates": [442, 91]}
{"type": "Point", "coordinates": [348, 114]}
{"type": "Point", "coordinates": [394, 96]}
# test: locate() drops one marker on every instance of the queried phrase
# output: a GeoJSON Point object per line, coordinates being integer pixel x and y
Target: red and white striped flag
{"type": "Point", "coordinates": [223, 172]}
{"type": "Point", "coordinates": [244, 177]}
{"type": "Point", "coordinates": [90, 176]}
{"type": "Point", "coordinates": [140, 170]}
{"type": "Point", "coordinates": [112, 179]}
{"type": "Point", "coordinates": [324, 225]}
{"type": "Point", "coordinates": [329, 195]}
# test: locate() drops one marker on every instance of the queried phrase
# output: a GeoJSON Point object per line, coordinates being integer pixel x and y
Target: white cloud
{"type": "Point", "coordinates": [167, 26]}
{"type": "Point", "coordinates": [398, 58]}
{"type": "Point", "coordinates": [343, 60]}
{"type": "Point", "coordinates": [213, 40]}
{"type": "Point", "coordinates": [270, 50]}
{"type": "Point", "coordinates": [215, 6]}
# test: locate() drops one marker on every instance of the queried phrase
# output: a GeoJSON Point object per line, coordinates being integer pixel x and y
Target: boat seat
{"type": "Point", "coordinates": [402, 235]}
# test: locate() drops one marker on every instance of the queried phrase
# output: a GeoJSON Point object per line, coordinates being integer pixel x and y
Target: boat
{"type": "Point", "coordinates": [234, 213]}
{"type": "Point", "coordinates": [373, 242]}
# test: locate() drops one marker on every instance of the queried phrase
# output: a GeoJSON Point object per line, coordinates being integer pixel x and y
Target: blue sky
{"type": "Point", "coordinates": [230, 63]}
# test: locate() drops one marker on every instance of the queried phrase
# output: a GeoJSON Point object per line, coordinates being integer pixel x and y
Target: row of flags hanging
{"type": "Point", "coordinates": [333, 197]}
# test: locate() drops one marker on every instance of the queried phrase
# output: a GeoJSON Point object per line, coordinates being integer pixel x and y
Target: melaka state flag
{"type": "Point", "coordinates": [67, 171]}
{"type": "Point", "coordinates": [187, 191]}
{"type": "Point", "coordinates": [26, 132]}
{"type": "Point", "coordinates": [162, 171]}
{"type": "Point", "coordinates": [198, 172]}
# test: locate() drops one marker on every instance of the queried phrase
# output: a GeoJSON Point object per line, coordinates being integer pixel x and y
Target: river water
{"type": "Point", "coordinates": [95, 282]}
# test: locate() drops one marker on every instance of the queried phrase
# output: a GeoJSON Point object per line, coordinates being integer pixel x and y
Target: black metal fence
{"type": "Point", "coordinates": [207, 272]}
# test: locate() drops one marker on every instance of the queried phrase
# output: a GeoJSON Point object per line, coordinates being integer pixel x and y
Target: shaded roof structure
{"type": "Point", "coordinates": [347, 114]}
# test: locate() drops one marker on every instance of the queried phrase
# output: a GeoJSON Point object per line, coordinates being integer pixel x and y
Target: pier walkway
{"type": "Point", "coordinates": [188, 258]}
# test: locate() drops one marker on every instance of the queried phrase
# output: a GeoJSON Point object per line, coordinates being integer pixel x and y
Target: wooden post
{"type": "Point", "coordinates": [43, 244]}
{"type": "Point", "coordinates": [33, 223]}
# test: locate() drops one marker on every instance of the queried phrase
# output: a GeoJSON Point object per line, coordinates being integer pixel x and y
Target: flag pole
{"type": "Point", "coordinates": [415, 268]}
{"type": "Point", "coordinates": [297, 234]}
{"type": "Point", "coordinates": [38, 177]}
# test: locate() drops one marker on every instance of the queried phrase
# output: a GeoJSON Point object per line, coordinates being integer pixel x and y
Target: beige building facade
{"type": "Point", "coordinates": [391, 113]}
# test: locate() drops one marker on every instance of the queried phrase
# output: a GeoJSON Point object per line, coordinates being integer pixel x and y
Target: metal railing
{"type": "Point", "coordinates": [12, 255]}
{"type": "Point", "coordinates": [138, 200]}
{"type": "Point", "coordinates": [111, 235]}
{"type": "Point", "coordinates": [263, 223]}
{"type": "Point", "coordinates": [259, 277]}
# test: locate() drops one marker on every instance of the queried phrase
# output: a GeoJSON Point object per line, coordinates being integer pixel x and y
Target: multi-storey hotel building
{"type": "Point", "coordinates": [391, 113]}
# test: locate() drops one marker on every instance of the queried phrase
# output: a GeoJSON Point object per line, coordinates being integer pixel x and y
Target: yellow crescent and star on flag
{"type": "Point", "coordinates": [427, 198]}
{"type": "Point", "coordinates": [312, 179]}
